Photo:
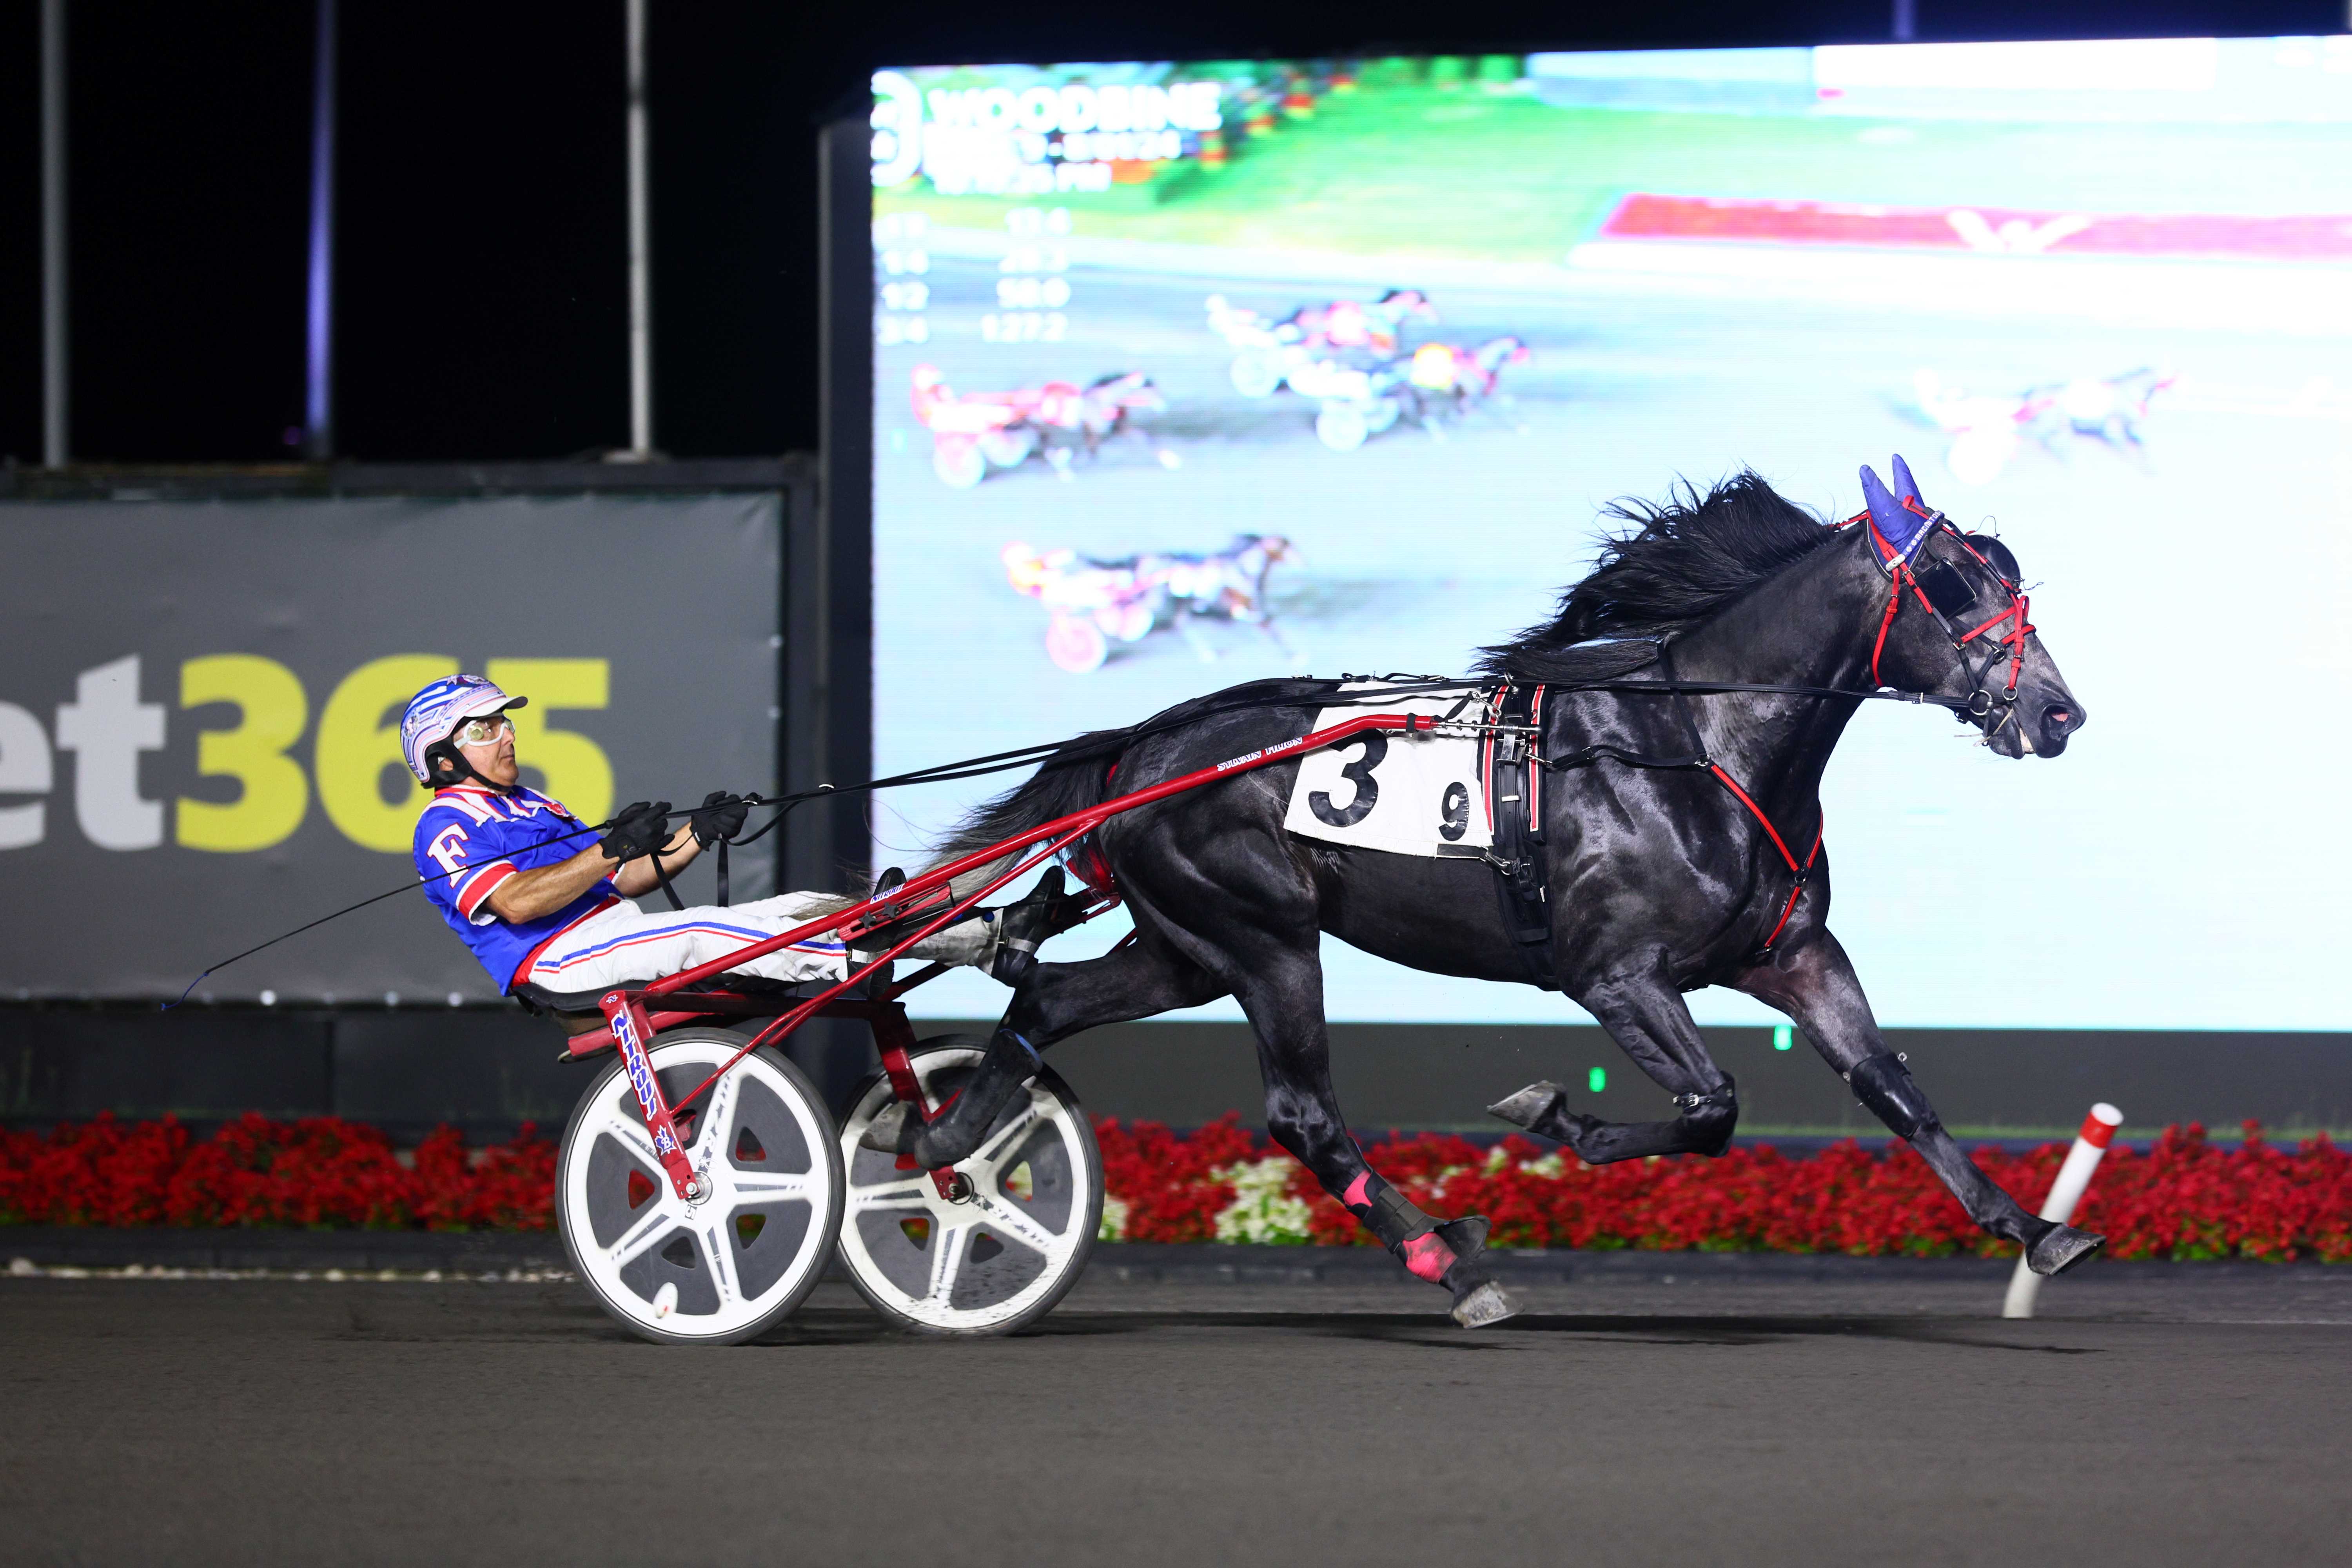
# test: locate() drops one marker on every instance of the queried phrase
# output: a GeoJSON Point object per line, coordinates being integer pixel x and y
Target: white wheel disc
{"type": "Point", "coordinates": [959, 467]}
{"type": "Point", "coordinates": [1342, 427]}
{"type": "Point", "coordinates": [999, 1260]}
{"type": "Point", "coordinates": [731, 1265]}
{"type": "Point", "coordinates": [1256, 375]}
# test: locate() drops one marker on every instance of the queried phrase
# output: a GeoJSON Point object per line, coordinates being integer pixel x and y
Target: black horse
{"type": "Point", "coordinates": [1675, 822]}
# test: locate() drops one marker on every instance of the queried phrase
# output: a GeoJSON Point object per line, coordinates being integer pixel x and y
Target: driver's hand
{"type": "Point", "coordinates": [721, 817]}
{"type": "Point", "coordinates": [638, 829]}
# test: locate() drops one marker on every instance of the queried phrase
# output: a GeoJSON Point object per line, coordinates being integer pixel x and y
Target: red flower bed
{"type": "Point", "coordinates": [256, 1171]}
{"type": "Point", "coordinates": [2184, 1198]}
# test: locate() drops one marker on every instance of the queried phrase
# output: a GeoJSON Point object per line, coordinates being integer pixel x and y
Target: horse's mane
{"type": "Point", "coordinates": [1676, 564]}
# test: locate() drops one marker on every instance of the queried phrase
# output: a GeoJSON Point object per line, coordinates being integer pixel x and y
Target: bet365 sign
{"type": "Point", "coordinates": [200, 713]}
{"type": "Point", "coordinates": [264, 757]}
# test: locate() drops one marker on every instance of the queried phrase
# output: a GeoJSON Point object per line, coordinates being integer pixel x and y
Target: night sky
{"type": "Point", "coordinates": [482, 248]}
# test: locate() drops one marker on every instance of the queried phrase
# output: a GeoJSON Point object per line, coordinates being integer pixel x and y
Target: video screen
{"type": "Point", "coordinates": [1193, 374]}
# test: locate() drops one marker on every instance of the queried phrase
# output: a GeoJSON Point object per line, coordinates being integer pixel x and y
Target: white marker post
{"type": "Point", "coordinates": [2074, 1180]}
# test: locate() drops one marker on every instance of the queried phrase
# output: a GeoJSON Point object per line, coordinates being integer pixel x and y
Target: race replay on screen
{"type": "Point", "coordinates": [1190, 372]}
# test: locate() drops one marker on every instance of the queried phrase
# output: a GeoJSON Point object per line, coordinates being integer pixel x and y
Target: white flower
{"type": "Point", "coordinates": [1437, 1187]}
{"type": "Point", "coordinates": [1262, 1210]}
{"type": "Point", "coordinates": [1114, 1219]}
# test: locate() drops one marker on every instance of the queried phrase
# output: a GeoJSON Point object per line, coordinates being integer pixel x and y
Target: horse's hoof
{"type": "Point", "coordinates": [2062, 1247]}
{"type": "Point", "coordinates": [892, 1131]}
{"type": "Point", "coordinates": [1529, 1106]}
{"type": "Point", "coordinates": [1483, 1308]}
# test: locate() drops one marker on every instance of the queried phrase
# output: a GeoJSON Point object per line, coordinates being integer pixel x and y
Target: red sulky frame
{"type": "Point", "coordinates": [629, 1027]}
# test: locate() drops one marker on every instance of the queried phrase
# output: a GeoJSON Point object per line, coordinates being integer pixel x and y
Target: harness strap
{"type": "Point", "coordinates": [661, 875]}
{"type": "Point", "coordinates": [1522, 866]}
{"type": "Point", "coordinates": [1795, 892]}
{"type": "Point", "coordinates": [1757, 812]}
{"type": "Point", "coordinates": [1798, 871]}
{"type": "Point", "coordinates": [1801, 873]}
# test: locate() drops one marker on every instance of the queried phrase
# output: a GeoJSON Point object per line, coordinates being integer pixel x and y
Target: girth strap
{"type": "Point", "coordinates": [1514, 777]}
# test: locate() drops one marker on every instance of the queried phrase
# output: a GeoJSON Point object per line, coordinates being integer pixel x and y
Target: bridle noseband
{"type": "Point", "coordinates": [1944, 593]}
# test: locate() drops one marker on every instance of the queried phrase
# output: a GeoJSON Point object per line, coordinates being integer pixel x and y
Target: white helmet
{"type": "Point", "coordinates": [433, 714]}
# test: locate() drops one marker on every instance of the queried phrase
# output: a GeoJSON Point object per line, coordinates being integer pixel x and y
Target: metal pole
{"type": "Point", "coordinates": [641, 323]}
{"type": "Point", "coordinates": [318, 361]}
{"type": "Point", "coordinates": [55, 435]}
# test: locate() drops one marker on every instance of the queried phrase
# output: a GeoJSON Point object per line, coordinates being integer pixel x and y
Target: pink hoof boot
{"type": "Point", "coordinates": [1426, 1257]}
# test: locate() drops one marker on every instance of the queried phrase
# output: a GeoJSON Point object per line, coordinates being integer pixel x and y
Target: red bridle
{"type": "Point", "coordinates": [1901, 576]}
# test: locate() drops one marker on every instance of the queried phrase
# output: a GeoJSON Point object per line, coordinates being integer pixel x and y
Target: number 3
{"type": "Point", "coordinates": [1360, 774]}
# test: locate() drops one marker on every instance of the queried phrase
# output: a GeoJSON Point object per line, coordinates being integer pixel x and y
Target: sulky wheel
{"type": "Point", "coordinates": [1076, 645]}
{"type": "Point", "coordinates": [998, 1259]}
{"type": "Point", "coordinates": [1256, 374]}
{"type": "Point", "coordinates": [959, 464]}
{"type": "Point", "coordinates": [732, 1266]}
{"type": "Point", "coordinates": [1342, 427]}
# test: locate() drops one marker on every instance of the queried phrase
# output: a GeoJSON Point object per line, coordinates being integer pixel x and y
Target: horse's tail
{"type": "Point", "coordinates": [1073, 778]}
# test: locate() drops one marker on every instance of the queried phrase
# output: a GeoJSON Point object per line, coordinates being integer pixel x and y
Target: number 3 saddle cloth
{"type": "Point", "coordinates": [1407, 795]}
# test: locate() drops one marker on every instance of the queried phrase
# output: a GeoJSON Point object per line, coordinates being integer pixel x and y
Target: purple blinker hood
{"type": "Point", "coordinates": [1902, 519]}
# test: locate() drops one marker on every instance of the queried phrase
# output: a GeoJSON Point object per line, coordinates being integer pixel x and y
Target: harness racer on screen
{"type": "Point", "coordinates": [544, 903]}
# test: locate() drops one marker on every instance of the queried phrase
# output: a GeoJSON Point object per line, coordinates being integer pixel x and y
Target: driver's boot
{"type": "Point", "coordinates": [1046, 910]}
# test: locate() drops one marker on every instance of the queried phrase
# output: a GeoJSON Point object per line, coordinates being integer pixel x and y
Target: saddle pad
{"type": "Point", "coordinates": [1415, 795]}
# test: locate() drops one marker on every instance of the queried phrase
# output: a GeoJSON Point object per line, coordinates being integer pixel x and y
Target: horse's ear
{"type": "Point", "coordinates": [1905, 488]}
{"type": "Point", "coordinates": [1899, 527]}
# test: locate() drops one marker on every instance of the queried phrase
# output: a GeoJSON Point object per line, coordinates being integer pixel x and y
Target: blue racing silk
{"type": "Point", "coordinates": [470, 839]}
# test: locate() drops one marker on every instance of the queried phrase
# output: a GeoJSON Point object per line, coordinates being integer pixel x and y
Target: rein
{"type": "Point", "coordinates": [1112, 744]}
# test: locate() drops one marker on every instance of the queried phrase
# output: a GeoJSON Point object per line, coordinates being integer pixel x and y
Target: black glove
{"type": "Point", "coordinates": [721, 817]}
{"type": "Point", "coordinates": [637, 829]}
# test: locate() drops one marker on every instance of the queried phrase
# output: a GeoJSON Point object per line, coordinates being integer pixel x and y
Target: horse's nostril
{"type": "Point", "coordinates": [2060, 716]}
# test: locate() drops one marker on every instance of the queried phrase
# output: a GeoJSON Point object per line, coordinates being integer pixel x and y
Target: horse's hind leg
{"type": "Point", "coordinates": [1647, 1017]}
{"type": "Point", "coordinates": [1260, 906]}
{"type": "Point", "coordinates": [1057, 1000]}
{"type": "Point", "coordinates": [1284, 1003]}
{"type": "Point", "coordinates": [1814, 983]}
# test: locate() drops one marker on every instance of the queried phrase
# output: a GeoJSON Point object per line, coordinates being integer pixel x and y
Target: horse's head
{"type": "Point", "coordinates": [1956, 625]}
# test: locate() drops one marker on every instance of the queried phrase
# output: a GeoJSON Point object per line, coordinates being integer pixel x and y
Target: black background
{"type": "Point", "coordinates": [482, 249]}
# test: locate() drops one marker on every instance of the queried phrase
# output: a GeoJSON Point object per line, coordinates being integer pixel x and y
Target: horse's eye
{"type": "Point", "coordinates": [1945, 588]}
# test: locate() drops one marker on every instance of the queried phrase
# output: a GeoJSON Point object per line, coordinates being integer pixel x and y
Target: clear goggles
{"type": "Point", "coordinates": [481, 731]}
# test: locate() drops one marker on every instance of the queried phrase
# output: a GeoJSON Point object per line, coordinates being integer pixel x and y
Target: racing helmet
{"type": "Point", "coordinates": [433, 714]}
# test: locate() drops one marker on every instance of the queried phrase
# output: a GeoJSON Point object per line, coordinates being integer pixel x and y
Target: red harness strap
{"type": "Point", "coordinates": [1086, 860]}
{"type": "Point", "coordinates": [1799, 871]}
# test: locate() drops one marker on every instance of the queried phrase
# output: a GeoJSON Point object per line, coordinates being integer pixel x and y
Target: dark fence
{"type": "Point", "coordinates": [487, 1069]}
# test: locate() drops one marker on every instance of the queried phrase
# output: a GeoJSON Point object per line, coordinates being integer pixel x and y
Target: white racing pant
{"type": "Point", "coordinates": [621, 945]}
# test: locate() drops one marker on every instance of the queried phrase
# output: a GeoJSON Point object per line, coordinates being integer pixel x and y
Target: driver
{"type": "Point", "coordinates": [544, 902]}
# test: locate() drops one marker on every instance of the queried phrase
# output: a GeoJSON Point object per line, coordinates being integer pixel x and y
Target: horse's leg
{"type": "Point", "coordinates": [1057, 1000]}
{"type": "Point", "coordinates": [1646, 1017]}
{"type": "Point", "coordinates": [1814, 983]}
{"type": "Point", "coordinates": [1283, 1000]}
{"type": "Point", "coordinates": [1250, 917]}
{"type": "Point", "coordinates": [1187, 628]}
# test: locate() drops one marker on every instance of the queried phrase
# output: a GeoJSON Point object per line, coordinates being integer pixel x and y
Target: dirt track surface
{"type": "Point", "coordinates": [1702, 1422]}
